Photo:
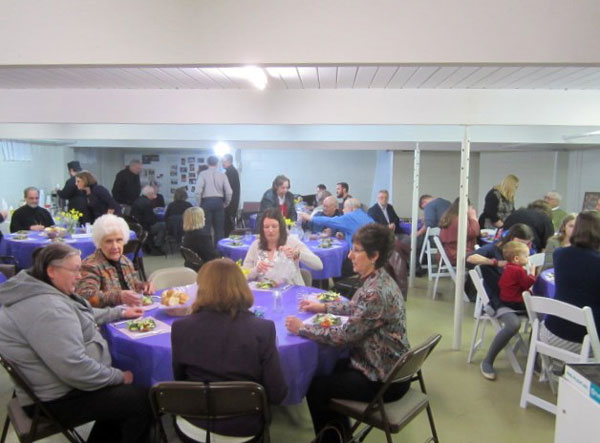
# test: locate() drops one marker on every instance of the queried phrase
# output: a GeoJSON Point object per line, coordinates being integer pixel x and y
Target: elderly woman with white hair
{"type": "Point", "coordinates": [108, 277]}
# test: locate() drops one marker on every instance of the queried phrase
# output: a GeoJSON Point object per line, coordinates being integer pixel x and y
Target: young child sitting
{"type": "Point", "coordinates": [513, 282]}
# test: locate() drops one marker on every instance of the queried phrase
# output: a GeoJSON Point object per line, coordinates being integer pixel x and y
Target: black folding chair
{"type": "Point", "coordinates": [192, 260]}
{"type": "Point", "coordinates": [41, 424]}
{"type": "Point", "coordinates": [8, 265]}
{"type": "Point", "coordinates": [211, 402]}
{"type": "Point", "coordinates": [393, 416]}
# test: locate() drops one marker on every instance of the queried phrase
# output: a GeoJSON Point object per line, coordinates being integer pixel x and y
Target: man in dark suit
{"type": "Point", "coordinates": [234, 181]}
{"type": "Point", "coordinates": [383, 213]}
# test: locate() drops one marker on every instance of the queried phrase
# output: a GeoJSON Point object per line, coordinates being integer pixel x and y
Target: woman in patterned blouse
{"type": "Point", "coordinates": [375, 331]}
{"type": "Point", "coordinates": [108, 277]}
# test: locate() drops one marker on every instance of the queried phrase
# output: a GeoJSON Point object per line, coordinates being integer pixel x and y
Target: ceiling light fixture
{"type": "Point", "coordinates": [256, 76]}
{"type": "Point", "coordinates": [221, 148]}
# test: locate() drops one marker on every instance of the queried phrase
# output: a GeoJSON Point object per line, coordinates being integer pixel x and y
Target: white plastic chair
{"type": "Point", "coordinates": [170, 277]}
{"type": "Point", "coordinates": [537, 308]}
{"type": "Point", "coordinates": [429, 250]}
{"type": "Point", "coordinates": [444, 267]}
{"type": "Point", "coordinates": [482, 319]}
{"type": "Point", "coordinates": [535, 261]}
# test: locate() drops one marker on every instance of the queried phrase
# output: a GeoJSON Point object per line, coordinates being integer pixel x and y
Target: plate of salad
{"type": "Point", "coordinates": [326, 320]}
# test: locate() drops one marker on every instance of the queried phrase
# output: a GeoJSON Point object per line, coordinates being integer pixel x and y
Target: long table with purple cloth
{"type": "Point", "coordinates": [149, 358]}
{"type": "Point", "coordinates": [332, 257]}
{"type": "Point", "coordinates": [22, 248]}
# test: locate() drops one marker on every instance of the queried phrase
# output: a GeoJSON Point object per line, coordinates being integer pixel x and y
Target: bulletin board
{"type": "Point", "coordinates": [171, 171]}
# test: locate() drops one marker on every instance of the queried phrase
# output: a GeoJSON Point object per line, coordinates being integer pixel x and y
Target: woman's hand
{"type": "Point", "coordinates": [501, 263]}
{"type": "Point", "coordinates": [312, 306]}
{"type": "Point", "coordinates": [131, 298]}
{"type": "Point", "coordinates": [291, 253]}
{"type": "Point", "coordinates": [263, 266]}
{"type": "Point", "coordinates": [132, 312]}
{"type": "Point", "coordinates": [293, 324]}
{"type": "Point", "coordinates": [127, 377]}
{"type": "Point", "coordinates": [148, 288]}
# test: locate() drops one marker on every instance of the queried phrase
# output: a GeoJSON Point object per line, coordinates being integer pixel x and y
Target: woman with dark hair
{"type": "Point", "coordinates": [52, 336]}
{"type": "Point", "coordinates": [221, 325]}
{"type": "Point", "coordinates": [562, 239]}
{"type": "Point", "coordinates": [280, 197]}
{"type": "Point", "coordinates": [577, 281]}
{"type": "Point", "coordinates": [276, 255]}
{"type": "Point", "coordinates": [449, 230]}
{"type": "Point", "coordinates": [174, 213]}
{"type": "Point", "coordinates": [99, 200]}
{"type": "Point", "coordinates": [375, 332]}
{"type": "Point", "coordinates": [499, 203]}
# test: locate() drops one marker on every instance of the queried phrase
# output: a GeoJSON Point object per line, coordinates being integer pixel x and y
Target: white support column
{"type": "Point", "coordinates": [461, 247]}
{"type": "Point", "coordinates": [390, 186]}
{"type": "Point", "coordinates": [555, 171]}
{"type": "Point", "coordinates": [415, 216]}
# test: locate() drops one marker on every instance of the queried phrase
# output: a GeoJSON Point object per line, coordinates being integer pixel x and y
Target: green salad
{"type": "Point", "coordinates": [266, 284]}
{"type": "Point", "coordinates": [147, 300]}
{"type": "Point", "coordinates": [329, 296]}
{"type": "Point", "coordinates": [235, 237]}
{"type": "Point", "coordinates": [141, 325]}
{"type": "Point", "coordinates": [327, 320]}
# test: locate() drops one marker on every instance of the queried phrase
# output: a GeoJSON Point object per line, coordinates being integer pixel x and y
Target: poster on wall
{"type": "Point", "coordinates": [591, 200]}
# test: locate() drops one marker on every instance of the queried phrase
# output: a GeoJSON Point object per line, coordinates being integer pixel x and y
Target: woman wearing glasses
{"type": "Point", "coordinates": [375, 332]}
{"type": "Point", "coordinates": [52, 336]}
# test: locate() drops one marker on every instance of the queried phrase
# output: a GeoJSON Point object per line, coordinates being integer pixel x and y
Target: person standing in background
{"type": "Point", "coordinates": [213, 194]}
{"type": "Point", "coordinates": [499, 203]}
{"type": "Point", "coordinates": [553, 199]}
{"type": "Point", "coordinates": [127, 186]}
{"type": "Point", "coordinates": [234, 181]}
{"type": "Point", "coordinates": [73, 194]}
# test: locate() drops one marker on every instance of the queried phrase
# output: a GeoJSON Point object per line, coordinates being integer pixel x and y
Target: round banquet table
{"type": "Point", "coordinates": [2, 278]}
{"type": "Point", "coordinates": [22, 249]}
{"type": "Point", "coordinates": [544, 285]}
{"type": "Point", "coordinates": [406, 226]}
{"type": "Point", "coordinates": [160, 214]}
{"type": "Point", "coordinates": [149, 358]}
{"type": "Point", "coordinates": [332, 258]}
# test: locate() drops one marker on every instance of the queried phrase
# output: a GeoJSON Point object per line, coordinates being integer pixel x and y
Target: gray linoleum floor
{"type": "Point", "coordinates": [466, 407]}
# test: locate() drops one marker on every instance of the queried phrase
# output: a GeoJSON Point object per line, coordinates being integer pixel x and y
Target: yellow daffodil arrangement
{"type": "Point", "coordinates": [245, 271]}
{"type": "Point", "coordinates": [69, 219]}
{"type": "Point", "coordinates": [297, 200]}
{"type": "Point", "coordinates": [289, 222]}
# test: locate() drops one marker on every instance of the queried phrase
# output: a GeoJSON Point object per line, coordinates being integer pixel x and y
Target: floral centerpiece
{"type": "Point", "coordinates": [245, 271]}
{"type": "Point", "coordinates": [69, 220]}
{"type": "Point", "coordinates": [289, 223]}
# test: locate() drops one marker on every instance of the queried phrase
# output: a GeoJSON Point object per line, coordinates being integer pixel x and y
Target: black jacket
{"type": "Point", "coordinates": [100, 201]}
{"type": "Point", "coordinates": [143, 211]}
{"type": "Point", "coordinates": [127, 187]}
{"type": "Point", "coordinates": [76, 199]}
{"type": "Point", "coordinates": [377, 214]}
{"type": "Point", "coordinates": [201, 243]}
{"type": "Point", "coordinates": [270, 200]}
{"type": "Point", "coordinates": [540, 224]}
{"type": "Point", "coordinates": [212, 346]}
{"type": "Point", "coordinates": [234, 182]}
{"type": "Point", "coordinates": [26, 216]}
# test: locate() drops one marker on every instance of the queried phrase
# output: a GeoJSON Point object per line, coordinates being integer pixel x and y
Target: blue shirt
{"type": "Point", "coordinates": [348, 223]}
{"type": "Point", "coordinates": [434, 211]}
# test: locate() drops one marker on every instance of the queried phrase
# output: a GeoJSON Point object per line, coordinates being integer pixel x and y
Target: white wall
{"type": "Point", "coordinates": [290, 31]}
{"type": "Point", "coordinates": [306, 169]}
{"type": "Point", "coordinates": [583, 175]}
{"type": "Point", "coordinates": [534, 170]}
{"type": "Point", "coordinates": [439, 176]}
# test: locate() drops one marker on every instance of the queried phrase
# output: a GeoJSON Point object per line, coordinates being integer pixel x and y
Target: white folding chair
{"type": "Point", "coordinates": [481, 320]}
{"type": "Point", "coordinates": [429, 250]}
{"type": "Point", "coordinates": [537, 308]}
{"type": "Point", "coordinates": [444, 267]}
{"type": "Point", "coordinates": [170, 277]}
{"type": "Point", "coordinates": [535, 261]}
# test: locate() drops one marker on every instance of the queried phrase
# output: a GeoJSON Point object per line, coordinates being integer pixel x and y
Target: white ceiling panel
{"type": "Point", "coordinates": [304, 77]}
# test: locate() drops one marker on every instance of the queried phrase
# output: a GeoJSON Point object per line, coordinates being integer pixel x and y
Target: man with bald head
{"type": "Point", "coordinates": [30, 216]}
{"type": "Point", "coordinates": [329, 208]}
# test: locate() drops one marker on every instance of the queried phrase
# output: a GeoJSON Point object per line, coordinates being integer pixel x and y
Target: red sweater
{"type": "Point", "coordinates": [513, 282]}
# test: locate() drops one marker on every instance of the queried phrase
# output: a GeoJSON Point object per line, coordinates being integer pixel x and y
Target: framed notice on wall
{"type": "Point", "coordinates": [591, 200]}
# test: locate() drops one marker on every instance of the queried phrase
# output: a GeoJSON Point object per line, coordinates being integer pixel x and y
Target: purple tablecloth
{"type": "Point", "coordinates": [22, 249]}
{"type": "Point", "coordinates": [149, 358]}
{"type": "Point", "coordinates": [2, 278]}
{"type": "Point", "coordinates": [160, 213]}
{"type": "Point", "coordinates": [332, 258]}
{"type": "Point", "coordinates": [407, 226]}
{"type": "Point", "coordinates": [544, 285]}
